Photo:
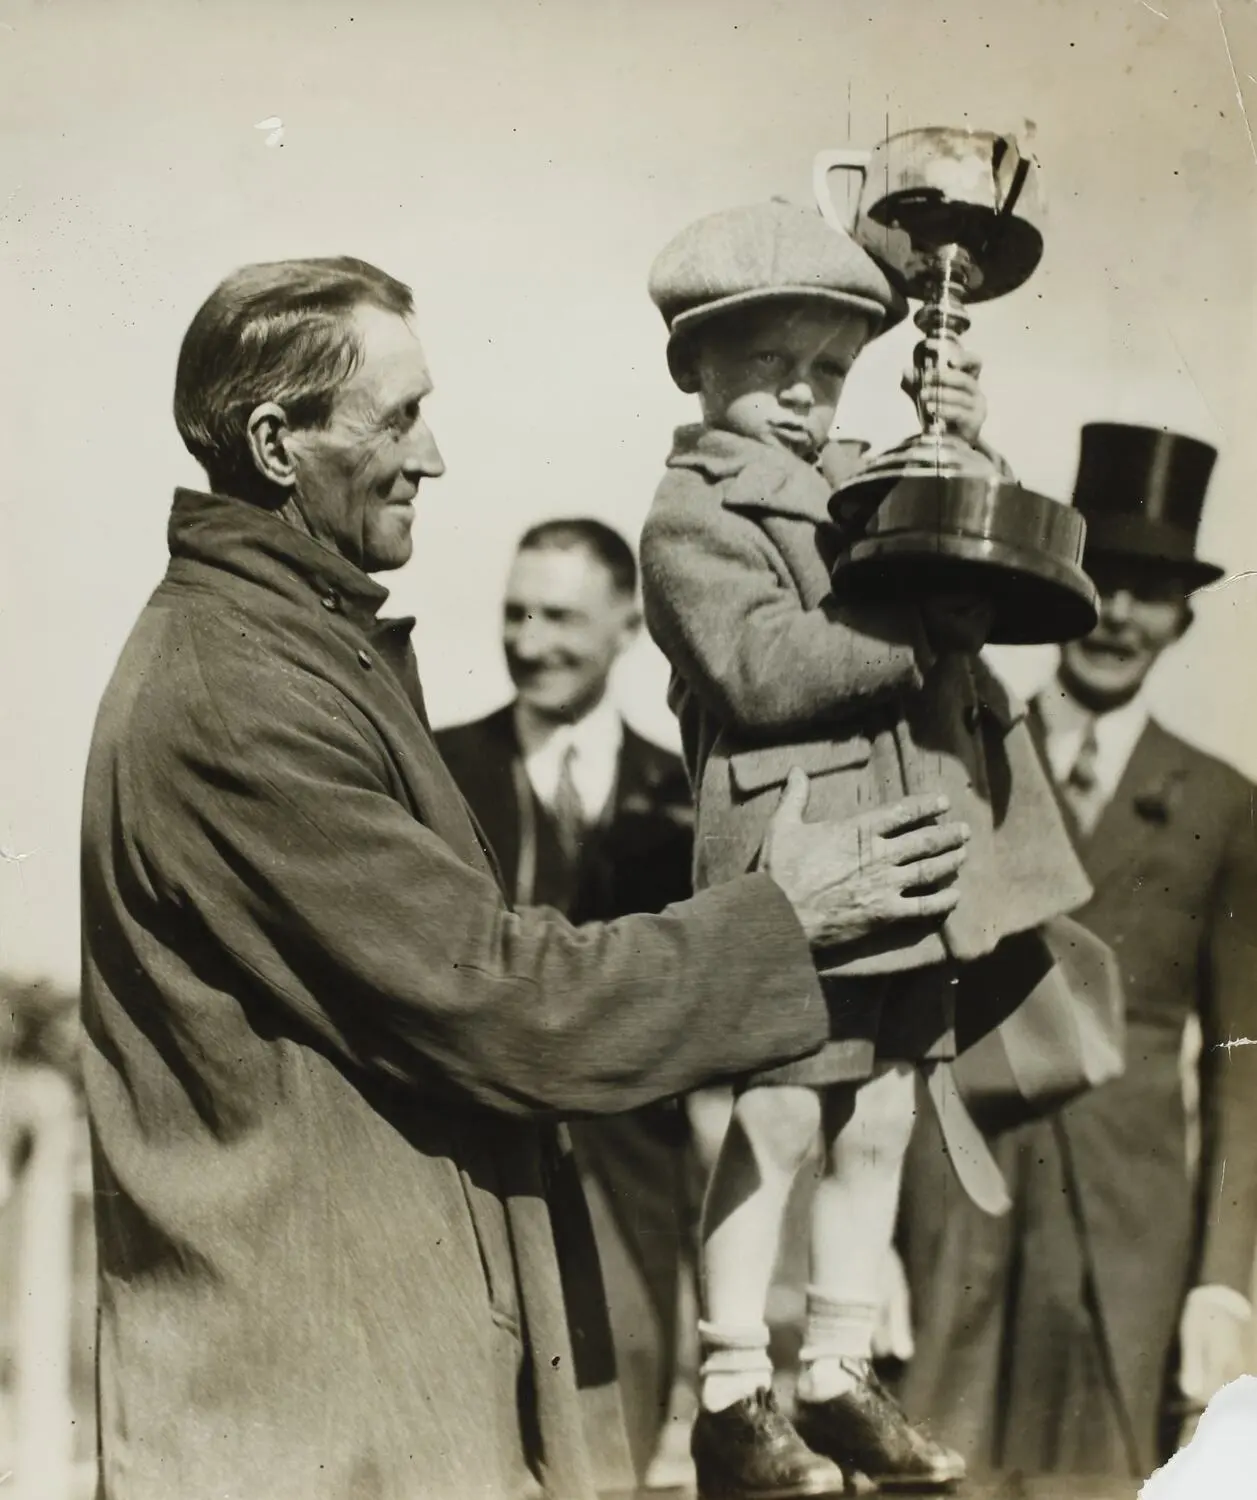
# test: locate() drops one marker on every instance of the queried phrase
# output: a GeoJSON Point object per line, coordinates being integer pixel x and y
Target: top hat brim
{"type": "Point", "coordinates": [1136, 537]}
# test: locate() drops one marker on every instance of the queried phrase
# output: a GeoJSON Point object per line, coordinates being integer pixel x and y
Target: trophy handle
{"type": "Point", "coordinates": [825, 162]}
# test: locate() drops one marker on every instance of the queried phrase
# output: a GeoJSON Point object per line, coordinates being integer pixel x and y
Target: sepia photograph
{"type": "Point", "coordinates": [628, 810]}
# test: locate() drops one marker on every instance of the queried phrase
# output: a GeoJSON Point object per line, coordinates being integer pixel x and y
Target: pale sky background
{"type": "Point", "coordinates": [520, 164]}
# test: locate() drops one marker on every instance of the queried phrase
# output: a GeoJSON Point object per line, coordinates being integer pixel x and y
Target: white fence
{"type": "Point", "coordinates": [44, 1182]}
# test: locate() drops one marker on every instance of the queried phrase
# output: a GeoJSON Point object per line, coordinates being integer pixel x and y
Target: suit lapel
{"type": "Point", "coordinates": [1143, 802]}
{"type": "Point", "coordinates": [634, 784]}
{"type": "Point", "coordinates": [1140, 808]}
{"type": "Point", "coordinates": [496, 809]}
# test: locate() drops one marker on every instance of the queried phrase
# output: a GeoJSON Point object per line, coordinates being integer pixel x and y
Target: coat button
{"type": "Point", "coordinates": [330, 601]}
{"type": "Point", "coordinates": [364, 659]}
{"type": "Point", "coordinates": [973, 717]}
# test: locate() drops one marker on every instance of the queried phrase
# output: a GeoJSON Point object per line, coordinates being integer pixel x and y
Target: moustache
{"type": "Point", "coordinates": [530, 666]}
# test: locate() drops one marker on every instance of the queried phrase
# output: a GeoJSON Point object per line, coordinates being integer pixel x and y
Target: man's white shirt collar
{"type": "Point", "coordinates": [1065, 723]}
{"type": "Point", "coordinates": [596, 740]}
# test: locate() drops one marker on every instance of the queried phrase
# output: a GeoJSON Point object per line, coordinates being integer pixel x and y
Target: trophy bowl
{"type": "Point", "coordinates": [954, 216]}
{"type": "Point", "coordinates": [978, 534]}
{"type": "Point", "coordinates": [929, 189]}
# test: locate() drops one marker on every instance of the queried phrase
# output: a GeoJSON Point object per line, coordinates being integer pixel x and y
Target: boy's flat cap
{"type": "Point", "coordinates": [766, 250]}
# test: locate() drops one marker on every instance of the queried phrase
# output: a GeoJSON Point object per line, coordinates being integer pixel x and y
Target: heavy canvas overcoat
{"type": "Point", "coordinates": [324, 1058]}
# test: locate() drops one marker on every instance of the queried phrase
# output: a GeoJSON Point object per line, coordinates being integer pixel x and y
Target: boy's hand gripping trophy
{"type": "Point", "coordinates": [952, 216]}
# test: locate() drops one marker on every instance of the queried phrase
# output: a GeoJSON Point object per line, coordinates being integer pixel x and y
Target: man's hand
{"type": "Point", "coordinates": [848, 879]}
{"type": "Point", "coordinates": [957, 622]}
{"type": "Point", "coordinates": [943, 382]}
{"type": "Point", "coordinates": [1213, 1337]}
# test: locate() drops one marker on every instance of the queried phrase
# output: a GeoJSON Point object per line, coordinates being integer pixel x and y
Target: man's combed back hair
{"type": "Point", "coordinates": [281, 331]}
{"type": "Point", "coordinates": [602, 542]}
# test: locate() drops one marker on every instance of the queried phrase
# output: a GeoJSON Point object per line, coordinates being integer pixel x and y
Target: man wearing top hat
{"type": "Point", "coordinates": [1121, 1274]}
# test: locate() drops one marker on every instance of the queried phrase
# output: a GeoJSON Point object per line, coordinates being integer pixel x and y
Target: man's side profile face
{"type": "Point", "coordinates": [1143, 610]}
{"type": "Point", "coordinates": [356, 478]}
{"type": "Point", "coordinates": [565, 622]}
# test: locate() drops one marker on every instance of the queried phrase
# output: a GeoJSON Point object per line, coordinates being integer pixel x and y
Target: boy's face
{"type": "Point", "coordinates": [775, 371]}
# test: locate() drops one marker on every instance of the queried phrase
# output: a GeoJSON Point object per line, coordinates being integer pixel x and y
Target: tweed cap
{"type": "Point", "coordinates": [766, 250]}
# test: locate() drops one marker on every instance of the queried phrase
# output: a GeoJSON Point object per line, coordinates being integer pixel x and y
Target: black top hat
{"type": "Point", "coordinates": [1141, 491]}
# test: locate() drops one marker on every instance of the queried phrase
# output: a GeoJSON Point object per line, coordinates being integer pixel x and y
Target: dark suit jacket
{"type": "Point", "coordinates": [1046, 1338]}
{"type": "Point", "coordinates": [324, 1057]}
{"type": "Point", "coordinates": [639, 862]}
{"type": "Point", "coordinates": [633, 1165]}
{"type": "Point", "coordinates": [1174, 863]}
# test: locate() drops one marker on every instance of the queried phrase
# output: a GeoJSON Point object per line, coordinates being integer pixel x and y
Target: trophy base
{"type": "Point", "coordinates": [976, 534]}
{"type": "Point", "coordinates": [925, 456]}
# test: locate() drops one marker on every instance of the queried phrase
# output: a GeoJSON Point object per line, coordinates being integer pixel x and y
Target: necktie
{"type": "Point", "coordinates": [1081, 787]}
{"type": "Point", "coordinates": [568, 810]}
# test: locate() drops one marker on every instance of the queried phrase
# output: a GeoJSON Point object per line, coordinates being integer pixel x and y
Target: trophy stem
{"type": "Point", "coordinates": [942, 314]}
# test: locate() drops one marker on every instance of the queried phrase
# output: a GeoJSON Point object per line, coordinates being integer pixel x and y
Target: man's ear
{"type": "Point", "coordinates": [1186, 616]}
{"type": "Point", "coordinates": [267, 434]}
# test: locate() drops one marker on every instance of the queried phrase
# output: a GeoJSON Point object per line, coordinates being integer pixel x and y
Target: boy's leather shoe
{"type": "Point", "coordinates": [749, 1451]}
{"type": "Point", "coordinates": [864, 1429]}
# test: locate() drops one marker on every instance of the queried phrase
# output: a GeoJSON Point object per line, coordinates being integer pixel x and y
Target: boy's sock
{"type": "Point", "coordinates": [769, 1137]}
{"type": "Point", "coordinates": [853, 1223]}
{"type": "Point", "coordinates": [837, 1339]}
{"type": "Point", "coordinates": [735, 1364]}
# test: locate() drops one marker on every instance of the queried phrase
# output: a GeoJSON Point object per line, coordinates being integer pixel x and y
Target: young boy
{"type": "Point", "coordinates": [767, 308]}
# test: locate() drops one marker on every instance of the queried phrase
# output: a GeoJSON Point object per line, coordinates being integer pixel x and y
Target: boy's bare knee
{"type": "Point", "coordinates": [782, 1123]}
{"type": "Point", "coordinates": [883, 1118]}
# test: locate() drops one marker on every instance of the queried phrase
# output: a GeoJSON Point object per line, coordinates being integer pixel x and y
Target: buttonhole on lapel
{"type": "Point", "coordinates": [1156, 803]}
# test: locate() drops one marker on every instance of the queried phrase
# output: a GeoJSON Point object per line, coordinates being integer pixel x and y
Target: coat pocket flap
{"type": "Point", "coordinates": [768, 765]}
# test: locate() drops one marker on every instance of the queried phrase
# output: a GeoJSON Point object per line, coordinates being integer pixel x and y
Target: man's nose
{"type": "Point", "coordinates": [1115, 608]}
{"type": "Point", "coordinates": [423, 458]}
{"type": "Point", "coordinates": [529, 638]}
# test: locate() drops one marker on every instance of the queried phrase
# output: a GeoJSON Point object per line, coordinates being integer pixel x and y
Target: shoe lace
{"type": "Point", "coordinates": [863, 1371]}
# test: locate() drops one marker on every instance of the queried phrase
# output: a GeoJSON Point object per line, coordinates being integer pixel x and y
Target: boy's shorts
{"type": "Point", "coordinates": [911, 1016]}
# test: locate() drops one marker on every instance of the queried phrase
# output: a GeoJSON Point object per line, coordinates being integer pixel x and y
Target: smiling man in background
{"type": "Point", "coordinates": [1057, 1353]}
{"type": "Point", "coordinates": [587, 816]}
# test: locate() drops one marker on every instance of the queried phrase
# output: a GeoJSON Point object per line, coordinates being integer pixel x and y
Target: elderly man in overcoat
{"type": "Point", "coordinates": [324, 1057]}
{"type": "Point", "coordinates": [1125, 1268]}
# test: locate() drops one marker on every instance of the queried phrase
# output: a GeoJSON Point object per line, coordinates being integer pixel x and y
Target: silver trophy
{"type": "Point", "coordinates": [954, 216]}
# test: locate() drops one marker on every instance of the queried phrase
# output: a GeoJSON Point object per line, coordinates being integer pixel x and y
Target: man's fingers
{"type": "Point", "coordinates": [906, 813]}
{"type": "Point", "coordinates": [931, 871]}
{"type": "Point", "coordinates": [924, 843]}
{"type": "Point", "coordinates": [929, 904]}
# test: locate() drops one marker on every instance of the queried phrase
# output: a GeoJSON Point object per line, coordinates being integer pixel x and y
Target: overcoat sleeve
{"type": "Point", "coordinates": [277, 835]}
{"type": "Point", "coordinates": [1228, 1092]}
{"type": "Point", "coordinates": [730, 620]}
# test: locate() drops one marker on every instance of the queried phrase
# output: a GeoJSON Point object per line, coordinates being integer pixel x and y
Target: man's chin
{"type": "Point", "coordinates": [390, 552]}
{"type": "Point", "coordinates": [1102, 683]}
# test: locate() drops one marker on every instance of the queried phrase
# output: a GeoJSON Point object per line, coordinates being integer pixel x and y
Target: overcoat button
{"type": "Point", "coordinates": [330, 601]}
{"type": "Point", "coordinates": [973, 716]}
{"type": "Point", "coordinates": [365, 659]}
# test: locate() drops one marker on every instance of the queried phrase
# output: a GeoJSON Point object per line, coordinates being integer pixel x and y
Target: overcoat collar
{"type": "Point", "coordinates": [760, 478]}
{"type": "Point", "coordinates": [236, 537]}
